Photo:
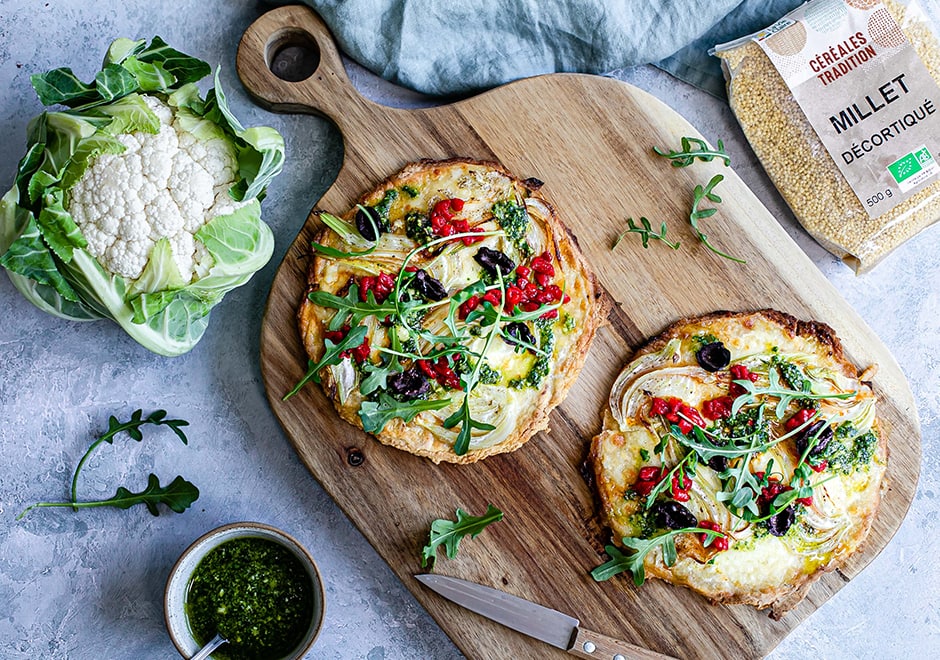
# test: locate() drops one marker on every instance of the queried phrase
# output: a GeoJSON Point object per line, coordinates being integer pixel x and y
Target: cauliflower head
{"type": "Point", "coordinates": [164, 185]}
{"type": "Point", "coordinates": [140, 202]}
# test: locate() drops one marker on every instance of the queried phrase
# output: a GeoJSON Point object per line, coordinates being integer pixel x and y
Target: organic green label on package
{"type": "Point", "coordinates": [866, 93]}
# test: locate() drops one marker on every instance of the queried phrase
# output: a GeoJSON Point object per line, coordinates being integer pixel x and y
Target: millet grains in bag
{"type": "Point", "coordinates": [840, 102]}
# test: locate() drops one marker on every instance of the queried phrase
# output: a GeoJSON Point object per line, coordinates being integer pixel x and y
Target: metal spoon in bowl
{"type": "Point", "coordinates": [210, 646]}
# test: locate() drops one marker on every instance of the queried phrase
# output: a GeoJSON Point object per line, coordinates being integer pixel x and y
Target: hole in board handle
{"type": "Point", "coordinates": [293, 55]}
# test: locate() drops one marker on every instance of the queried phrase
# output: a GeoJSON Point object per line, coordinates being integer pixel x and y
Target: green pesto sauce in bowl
{"type": "Point", "coordinates": [256, 593]}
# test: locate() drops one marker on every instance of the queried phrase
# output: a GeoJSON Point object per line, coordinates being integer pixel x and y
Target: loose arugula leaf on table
{"type": "Point", "coordinates": [646, 233]}
{"type": "Point", "coordinates": [633, 563]}
{"type": "Point", "coordinates": [376, 414]}
{"type": "Point", "coordinates": [449, 533]}
{"type": "Point", "coordinates": [692, 148]}
{"type": "Point", "coordinates": [132, 426]}
{"type": "Point", "coordinates": [178, 495]}
{"type": "Point", "coordinates": [700, 194]}
{"type": "Point", "coordinates": [332, 355]}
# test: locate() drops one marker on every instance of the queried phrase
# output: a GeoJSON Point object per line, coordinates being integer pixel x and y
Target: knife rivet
{"type": "Point", "coordinates": [619, 657]}
{"type": "Point", "coordinates": [589, 647]}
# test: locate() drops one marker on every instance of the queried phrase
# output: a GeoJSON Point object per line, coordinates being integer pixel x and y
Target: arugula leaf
{"type": "Point", "coordinates": [776, 389]}
{"type": "Point", "coordinates": [157, 418]}
{"type": "Point", "coordinates": [178, 495]}
{"type": "Point", "coordinates": [692, 148]}
{"type": "Point", "coordinates": [350, 308]}
{"type": "Point", "coordinates": [686, 465]}
{"type": "Point", "coordinates": [633, 563]}
{"type": "Point", "coordinates": [457, 300]}
{"type": "Point", "coordinates": [331, 355]}
{"type": "Point", "coordinates": [741, 497]}
{"type": "Point", "coordinates": [699, 194]}
{"type": "Point", "coordinates": [376, 414]}
{"type": "Point", "coordinates": [646, 233]}
{"type": "Point", "coordinates": [449, 533]}
{"type": "Point", "coordinates": [700, 443]}
{"type": "Point", "coordinates": [462, 415]}
{"type": "Point", "coordinates": [467, 424]}
{"type": "Point", "coordinates": [376, 375]}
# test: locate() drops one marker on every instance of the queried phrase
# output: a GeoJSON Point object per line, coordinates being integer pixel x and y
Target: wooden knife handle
{"type": "Point", "coordinates": [589, 644]}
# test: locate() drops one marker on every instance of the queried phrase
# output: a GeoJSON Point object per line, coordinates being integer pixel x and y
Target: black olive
{"type": "Point", "coordinates": [673, 515]}
{"type": "Point", "coordinates": [713, 356]}
{"type": "Point", "coordinates": [494, 261]}
{"type": "Point", "coordinates": [780, 523]}
{"type": "Point", "coordinates": [410, 384]}
{"type": "Point", "coordinates": [429, 287]}
{"type": "Point", "coordinates": [520, 332]}
{"type": "Point", "coordinates": [368, 230]}
{"type": "Point", "coordinates": [718, 463]}
{"type": "Point", "coordinates": [803, 439]}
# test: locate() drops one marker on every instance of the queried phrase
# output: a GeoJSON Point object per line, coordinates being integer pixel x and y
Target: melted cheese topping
{"type": "Point", "coordinates": [508, 408]}
{"type": "Point", "coordinates": [759, 568]}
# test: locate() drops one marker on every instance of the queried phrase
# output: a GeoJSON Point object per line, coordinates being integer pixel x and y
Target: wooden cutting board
{"type": "Point", "coordinates": [589, 139]}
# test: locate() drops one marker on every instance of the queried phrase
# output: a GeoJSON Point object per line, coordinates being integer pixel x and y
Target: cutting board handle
{"type": "Point", "coordinates": [288, 61]}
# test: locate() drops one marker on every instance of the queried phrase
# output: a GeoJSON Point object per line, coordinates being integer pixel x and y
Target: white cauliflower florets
{"type": "Point", "coordinates": [168, 184]}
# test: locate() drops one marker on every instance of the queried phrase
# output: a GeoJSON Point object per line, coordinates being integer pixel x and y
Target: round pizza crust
{"type": "Point", "coordinates": [480, 184]}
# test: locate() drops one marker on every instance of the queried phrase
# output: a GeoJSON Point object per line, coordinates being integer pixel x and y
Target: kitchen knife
{"type": "Point", "coordinates": [542, 623]}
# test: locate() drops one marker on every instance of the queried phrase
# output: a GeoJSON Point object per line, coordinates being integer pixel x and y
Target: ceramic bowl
{"type": "Point", "coordinates": [177, 585]}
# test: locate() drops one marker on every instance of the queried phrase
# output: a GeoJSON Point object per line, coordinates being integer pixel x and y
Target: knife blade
{"type": "Point", "coordinates": [542, 623]}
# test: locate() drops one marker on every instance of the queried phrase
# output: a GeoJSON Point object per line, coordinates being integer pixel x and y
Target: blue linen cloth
{"type": "Point", "coordinates": [457, 47]}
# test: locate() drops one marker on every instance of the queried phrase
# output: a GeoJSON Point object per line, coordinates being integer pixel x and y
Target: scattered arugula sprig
{"type": "Point", "coordinates": [776, 389]}
{"type": "Point", "coordinates": [132, 426]}
{"type": "Point", "coordinates": [646, 233]}
{"type": "Point", "coordinates": [693, 148]}
{"type": "Point", "coordinates": [178, 495]}
{"type": "Point", "coordinates": [449, 533]}
{"type": "Point", "coordinates": [685, 466]}
{"type": "Point", "coordinates": [331, 355]}
{"type": "Point", "coordinates": [633, 563]}
{"type": "Point", "coordinates": [700, 194]}
{"type": "Point", "coordinates": [469, 381]}
{"type": "Point", "coordinates": [376, 414]}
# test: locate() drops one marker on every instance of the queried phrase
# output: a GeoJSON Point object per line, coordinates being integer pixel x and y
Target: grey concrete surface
{"type": "Point", "coordinates": [89, 585]}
